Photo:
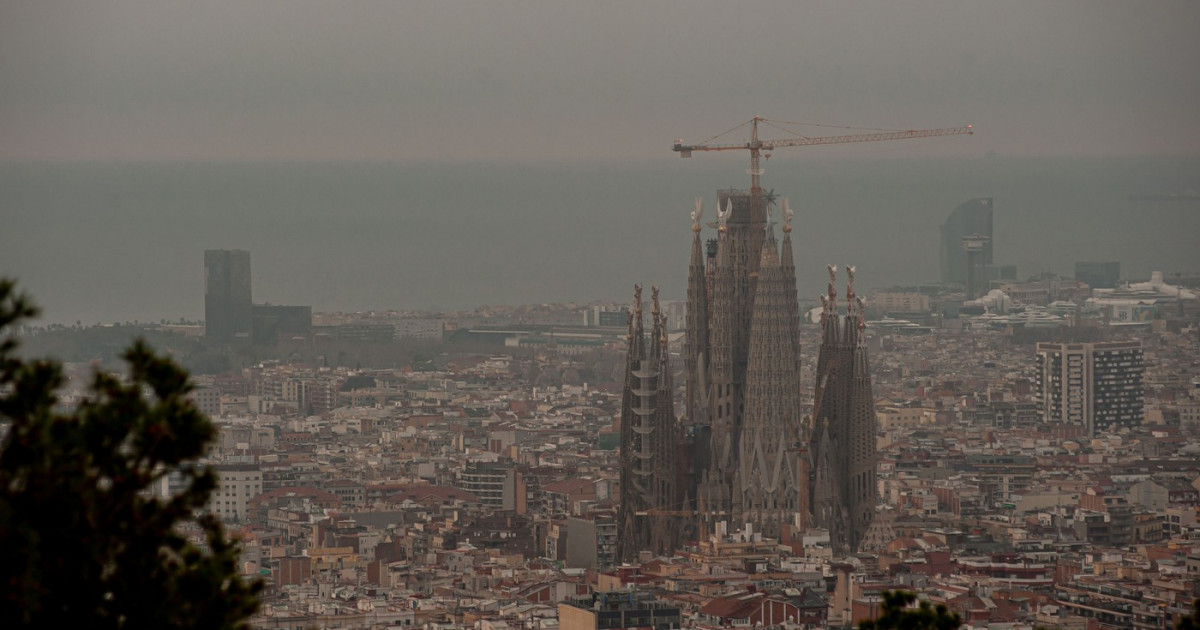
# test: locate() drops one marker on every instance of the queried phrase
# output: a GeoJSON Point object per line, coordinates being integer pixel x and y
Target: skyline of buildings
{"type": "Point", "coordinates": [742, 452]}
{"type": "Point", "coordinates": [969, 219]}
{"type": "Point", "coordinates": [488, 484]}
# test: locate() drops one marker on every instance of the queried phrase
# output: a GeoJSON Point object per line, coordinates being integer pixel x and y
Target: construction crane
{"type": "Point", "coordinates": [758, 146]}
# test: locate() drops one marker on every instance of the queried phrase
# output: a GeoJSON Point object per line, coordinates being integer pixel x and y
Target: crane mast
{"type": "Point", "coordinates": [757, 145]}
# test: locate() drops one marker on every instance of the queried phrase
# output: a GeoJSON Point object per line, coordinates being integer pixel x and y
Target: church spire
{"type": "Point", "coordinates": [649, 435]}
{"type": "Point", "coordinates": [788, 269]}
{"type": "Point", "coordinates": [767, 487]}
{"type": "Point", "coordinates": [845, 407]}
{"type": "Point", "coordinates": [829, 312]}
{"type": "Point", "coordinates": [697, 419]}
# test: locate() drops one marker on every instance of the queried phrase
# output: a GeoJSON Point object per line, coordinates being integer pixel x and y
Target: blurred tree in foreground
{"type": "Point", "coordinates": [1192, 621]}
{"type": "Point", "coordinates": [896, 615]}
{"type": "Point", "coordinates": [83, 540]}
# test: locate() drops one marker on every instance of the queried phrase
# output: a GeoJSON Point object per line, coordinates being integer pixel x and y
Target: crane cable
{"type": "Point", "coordinates": [725, 132]}
{"type": "Point", "coordinates": [788, 122]}
{"type": "Point", "coordinates": [771, 122]}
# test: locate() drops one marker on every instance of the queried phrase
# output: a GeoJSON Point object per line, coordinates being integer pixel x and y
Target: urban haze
{"type": "Point", "coordinates": [501, 138]}
{"type": "Point", "coordinates": [481, 350]}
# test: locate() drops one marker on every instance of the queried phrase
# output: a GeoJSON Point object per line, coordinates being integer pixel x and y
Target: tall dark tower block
{"type": "Point", "coordinates": [649, 441]}
{"type": "Point", "coordinates": [970, 217]}
{"type": "Point", "coordinates": [228, 310]}
{"type": "Point", "coordinates": [1098, 275]}
{"type": "Point", "coordinates": [842, 441]}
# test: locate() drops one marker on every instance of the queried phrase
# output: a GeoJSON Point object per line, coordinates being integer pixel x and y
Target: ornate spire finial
{"type": "Point", "coordinates": [660, 322]}
{"type": "Point", "coordinates": [723, 214]}
{"type": "Point", "coordinates": [850, 281]}
{"type": "Point", "coordinates": [852, 301]}
{"type": "Point", "coordinates": [697, 213]}
{"type": "Point", "coordinates": [787, 217]}
{"type": "Point", "coordinates": [829, 300]}
{"type": "Point", "coordinates": [862, 313]}
{"type": "Point", "coordinates": [635, 313]}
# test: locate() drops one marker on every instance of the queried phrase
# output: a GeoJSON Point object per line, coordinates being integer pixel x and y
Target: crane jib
{"type": "Point", "coordinates": [757, 145]}
{"type": "Point", "coordinates": [685, 150]}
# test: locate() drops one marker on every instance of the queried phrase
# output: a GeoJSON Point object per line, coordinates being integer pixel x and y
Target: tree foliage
{"type": "Point", "coordinates": [1192, 621]}
{"type": "Point", "coordinates": [896, 615]}
{"type": "Point", "coordinates": [83, 540]}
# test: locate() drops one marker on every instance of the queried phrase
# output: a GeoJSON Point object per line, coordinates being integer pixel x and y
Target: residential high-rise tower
{"type": "Point", "coordinates": [1096, 385]}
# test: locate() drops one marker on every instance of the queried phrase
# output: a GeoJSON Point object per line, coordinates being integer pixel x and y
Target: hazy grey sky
{"type": "Point", "coordinates": [548, 79]}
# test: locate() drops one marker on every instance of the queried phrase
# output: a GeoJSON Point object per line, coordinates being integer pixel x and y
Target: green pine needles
{"type": "Point", "coordinates": [83, 540]}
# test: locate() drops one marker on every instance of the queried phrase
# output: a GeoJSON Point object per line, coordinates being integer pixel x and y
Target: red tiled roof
{"type": "Point", "coordinates": [420, 493]}
{"type": "Point", "coordinates": [299, 491]}
{"type": "Point", "coordinates": [737, 607]}
{"type": "Point", "coordinates": [568, 486]}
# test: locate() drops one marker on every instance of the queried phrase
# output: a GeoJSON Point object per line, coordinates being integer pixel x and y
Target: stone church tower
{"type": "Point", "coordinates": [766, 479]}
{"type": "Point", "coordinates": [743, 452]}
{"type": "Point", "coordinates": [842, 440]}
{"type": "Point", "coordinates": [742, 362]}
{"type": "Point", "coordinates": [649, 440]}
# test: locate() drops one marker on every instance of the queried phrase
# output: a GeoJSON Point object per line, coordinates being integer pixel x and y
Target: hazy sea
{"type": "Point", "coordinates": [103, 242]}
